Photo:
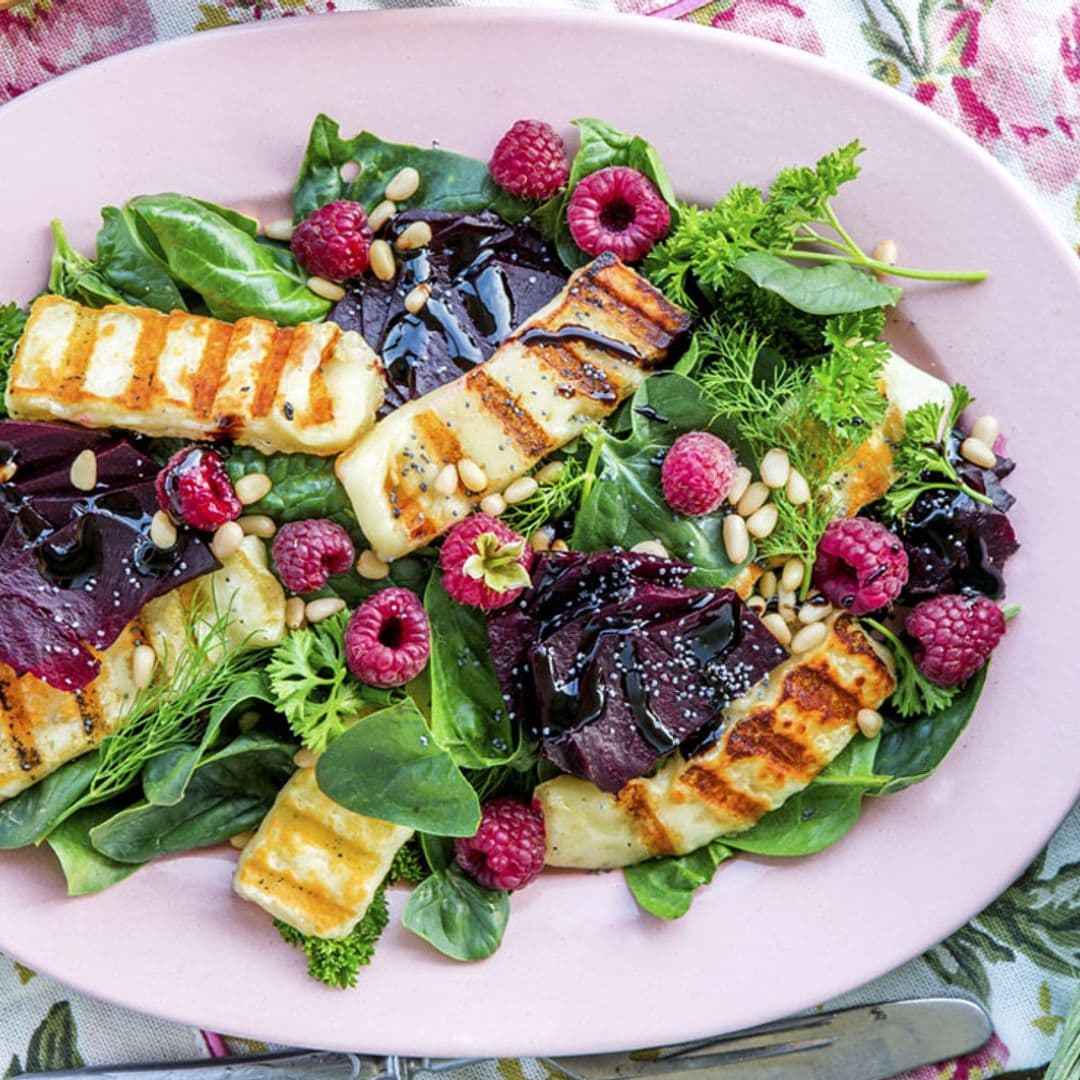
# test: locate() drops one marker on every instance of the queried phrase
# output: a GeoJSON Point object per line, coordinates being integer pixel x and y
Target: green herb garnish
{"type": "Point", "coordinates": [12, 324]}
{"type": "Point", "coordinates": [915, 695]}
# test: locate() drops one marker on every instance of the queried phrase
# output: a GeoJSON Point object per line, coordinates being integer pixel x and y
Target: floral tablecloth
{"type": "Point", "coordinates": [1007, 72]}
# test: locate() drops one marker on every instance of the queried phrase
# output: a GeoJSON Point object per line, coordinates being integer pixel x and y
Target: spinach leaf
{"type": "Point", "coordinates": [665, 887]}
{"type": "Point", "coordinates": [468, 715]}
{"type": "Point", "coordinates": [626, 504]}
{"type": "Point", "coordinates": [28, 817]}
{"type": "Point", "coordinates": [448, 181]}
{"type": "Point", "coordinates": [166, 776]}
{"type": "Point", "coordinates": [228, 792]}
{"type": "Point", "coordinates": [438, 851]}
{"type": "Point", "coordinates": [388, 766]}
{"type": "Point", "coordinates": [75, 277]}
{"type": "Point", "coordinates": [834, 288]}
{"type": "Point", "coordinates": [224, 264]}
{"type": "Point", "coordinates": [601, 147]}
{"type": "Point", "coordinates": [910, 750]}
{"type": "Point", "coordinates": [820, 814]}
{"type": "Point", "coordinates": [86, 869]}
{"type": "Point", "coordinates": [461, 918]}
{"type": "Point", "coordinates": [128, 264]}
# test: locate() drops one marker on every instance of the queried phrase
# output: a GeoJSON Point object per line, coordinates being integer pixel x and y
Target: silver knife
{"type": "Point", "coordinates": [868, 1042]}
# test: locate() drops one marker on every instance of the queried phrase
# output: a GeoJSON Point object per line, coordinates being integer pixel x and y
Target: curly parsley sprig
{"type": "Point", "coordinates": [915, 695]}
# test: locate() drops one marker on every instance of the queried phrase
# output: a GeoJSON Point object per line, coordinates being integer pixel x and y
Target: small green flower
{"type": "Point", "coordinates": [497, 564]}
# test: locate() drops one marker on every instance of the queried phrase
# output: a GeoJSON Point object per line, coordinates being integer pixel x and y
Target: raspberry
{"type": "Point", "coordinates": [307, 552]}
{"type": "Point", "coordinates": [333, 241]}
{"type": "Point", "coordinates": [507, 851]}
{"type": "Point", "coordinates": [697, 473]}
{"type": "Point", "coordinates": [388, 639]}
{"type": "Point", "coordinates": [485, 563]}
{"type": "Point", "coordinates": [530, 161]}
{"type": "Point", "coordinates": [617, 209]}
{"type": "Point", "coordinates": [954, 635]}
{"type": "Point", "coordinates": [860, 565]}
{"type": "Point", "coordinates": [195, 489]}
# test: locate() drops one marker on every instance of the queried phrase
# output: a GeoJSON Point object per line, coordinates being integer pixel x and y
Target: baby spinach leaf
{"type": "Point", "coordinates": [86, 869]}
{"type": "Point", "coordinates": [820, 814]}
{"type": "Point", "coordinates": [834, 288]}
{"type": "Point", "coordinates": [448, 181]}
{"type": "Point", "coordinates": [468, 715]}
{"type": "Point", "coordinates": [461, 918]}
{"type": "Point", "coordinates": [438, 851]}
{"type": "Point", "coordinates": [224, 264]}
{"type": "Point", "coordinates": [601, 147]}
{"type": "Point", "coordinates": [665, 887]}
{"type": "Point", "coordinates": [389, 766]}
{"type": "Point", "coordinates": [910, 750]}
{"type": "Point", "coordinates": [75, 277]}
{"type": "Point", "coordinates": [131, 267]}
{"type": "Point", "coordinates": [28, 817]}
{"type": "Point", "coordinates": [626, 506]}
{"type": "Point", "coordinates": [230, 791]}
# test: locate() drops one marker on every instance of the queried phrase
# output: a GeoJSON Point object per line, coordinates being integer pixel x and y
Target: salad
{"type": "Point", "coordinates": [482, 517]}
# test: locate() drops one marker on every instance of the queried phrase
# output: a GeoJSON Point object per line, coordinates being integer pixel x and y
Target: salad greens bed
{"type": "Point", "coordinates": [786, 351]}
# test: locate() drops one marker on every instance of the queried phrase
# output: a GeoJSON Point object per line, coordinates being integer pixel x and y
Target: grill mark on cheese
{"type": "Point", "coordinates": [498, 402]}
{"type": "Point", "coordinates": [153, 331]}
{"type": "Point", "coordinates": [270, 373]}
{"type": "Point", "coordinates": [577, 373]}
{"type": "Point", "coordinates": [322, 405]}
{"type": "Point", "coordinates": [436, 442]}
{"type": "Point", "coordinates": [294, 893]}
{"type": "Point", "coordinates": [812, 689]}
{"type": "Point", "coordinates": [94, 722]}
{"type": "Point", "coordinates": [756, 736]}
{"type": "Point", "coordinates": [635, 800]}
{"type": "Point", "coordinates": [77, 357]}
{"type": "Point", "coordinates": [729, 802]}
{"type": "Point", "coordinates": [211, 370]}
{"type": "Point", "coordinates": [656, 319]}
{"type": "Point", "coordinates": [18, 721]}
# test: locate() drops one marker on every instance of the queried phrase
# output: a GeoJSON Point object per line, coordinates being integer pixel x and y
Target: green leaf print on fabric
{"type": "Point", "coordinates": [23, 973]}
{"type": "Point", "coordinates": [1035, 917]}
{"type": "Point", "coordinates": [1048, 1022]}
{"type": "Point", "coordinates": [52, 1046]}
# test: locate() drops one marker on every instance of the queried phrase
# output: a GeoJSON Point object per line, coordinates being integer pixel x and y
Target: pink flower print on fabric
{"type": "Point", "coordinates": [782, 21]}
{"type": "Point", "coordinates": [60, 36]}
{"type": "Point", "coordinates": [981, 1065]}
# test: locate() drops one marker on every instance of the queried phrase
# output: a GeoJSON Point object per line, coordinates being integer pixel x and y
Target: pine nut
{"type": "Point", "coordinates": [739, 483]}
{"type": "Point", "coordinates": [416, 235]}
{"type": "Point", "coordinates": [162, 531]}
{"type": "Point", "coordinates": [524, 487]}
{"type": "Point", "coordinates": [447, 481]}
{"type": "Point", "coordinates": [493, 505]}
{"type": "Point", "coordinates": [370, 566]}
{"type": "Point", "coordinates": [416, 298]}
{"type": "Point", "coordinates": [317, 610]}
{"type": "Point", "coordinates": [253, 487]}
{"type": "Point", "coordinates": [885, 252]}
{"type": "Point", "coordinates": [240, 840]}
{"type": "Point", "coordinates": [404, 185]}
{"type": "Point", "coordinates": [775, 468]}
{"type": "Point", "coordinates": [791, 577]}
{"type": "Point", "coordinates": [294, 612]}
{"type": "Point", "coordinates": [754, 498]}
{"type": "Point", "coordinates": [559, 545]}
{"type": "Point", "coordinates": [143, 659]}
{"type": "Point", "coordinates": [767, 585]}
{"type": "Point", "coordinates": [282, 230]}
{"type": "Point", "coordinates": [328, 290]}
{"type": "Point", "coordinates": [797, 489]}
{"type": "Point", "coordinates": [650, 547]}
{"type": "Point", "coordinates": [7, 471]}
{"type": "Point", "coordinates": [551, 473]}
{"type": "Point", "coordinates": [227, 540]}
{"type": "Point", "coordinates": [978, 453]}
{"type": "Point", "coordinates": [774, 623]}
{"type": "Point", "coordinates": [762, 522]}
{"type": "Point", "coordinates": [736, 539]}
{"type": "Point", "coordinates": [257, 525]}
{"type": "Point", "coordinates": [809, 637]}
{"type": "Point", "coordinates": [869, 722]}
{"type": "Point", "coordinates": [540, 540]}
{"type": "Point", "coordinates": [785, 601]}
{"type": "Point", "coordinates": [380, 216]}
{"type": "Point", "coordinates": [757, 604]}
{"type": "Point", "coordinates": [305, 758]}
{"type": "Point", "coordinates": [472, 476]}
{"type": "Point", "coordinates": [382, 261]}
{"type": "Point", "coordinates": [986, 429]}
{"type": "Point", "coordinates": [84, 471]}
{"type": "Point", "coordinates": [814, 610]}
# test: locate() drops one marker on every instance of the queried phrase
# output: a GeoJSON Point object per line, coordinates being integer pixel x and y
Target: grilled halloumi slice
{"type": "Point", "coordinates": [312, 863]}
{"type": "Point", "coordinates": [777, 738]}
{"type": "Point", "coordinates": [571, 363]}
{"type": "Point", "coordinates": [42, 728]}
{"type": "Point", "coordinates": [312, 388]}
